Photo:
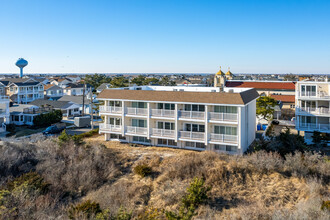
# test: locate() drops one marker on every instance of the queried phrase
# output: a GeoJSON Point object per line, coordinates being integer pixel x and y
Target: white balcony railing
{"type": "Point", "coordinates": [309, 94]}
{"type": "Point", "coordinates": [110, 109]}
{"type": "Point", "coordinates": [137, 111]}
{"type": "Point", "coordinates": [319, 111]}
{"type": "Point", "coordinates": [109, 127]}
{"type": "Point", "coordinates": [313, 127]}
{"type": "Point", "coordinates": [192, 114]}
{"type": "Point", "coordinates": [136, 130]}
{"type": "Point", "coordinates": [218, 116]}
{"type": "Point", "coordinates": [224, 138]}
{"type": "Point", "coordinates": [192, 135]}
{"type": "Point", "coordinates": [163, 132]}
{"type": "Point", "coordinates": [163, 113]}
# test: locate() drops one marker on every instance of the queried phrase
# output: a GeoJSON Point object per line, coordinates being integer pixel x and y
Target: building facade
{"type": "Point", "coordinates": [4, 113]}
{"type": "Point", "coordinates": [312, 108]}
{"type": "Point", "coordinates": [198, 118]}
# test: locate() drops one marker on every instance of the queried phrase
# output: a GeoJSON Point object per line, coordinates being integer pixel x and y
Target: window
{"type": "Point", "coordinates": [195, 127]}
{"type": "Point", "coordinates": [219, 147]}
{"type": "Point", "coordinates": [117, 136]}
{"type": "Point", "coordinates": [231, 148]}
{"type": "Point", "coordinates": [195, 145]}
{"type": "Point", "coordinates": [229, 130]}
{"type": "Point", "coordinates": [165, 125]}
{"type": "Point", "coordinates": [195, 108]}
{"type": "Point", "coordinates": [139, 104]}
{"type": "Point", "coordinates": [141, 139]}
{"type": "Point", "coordinates": [115, 121]}
{"type": "Point", "coordinates": [139, 123]}
{"type": "Point", "coordinates": [115, 103]}
{"type": "Point", "coordinates": [167, 106]}
{"type": "Point", "coordinates": [308, 90]}
{"type": "Point", "coordinates": [225, 109]}
{"type": "Point", "coordinates": [166, 142]}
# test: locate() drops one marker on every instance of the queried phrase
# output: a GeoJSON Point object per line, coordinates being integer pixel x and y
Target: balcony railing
{"type": "Point", "coordinates": [192, 114]}
{"type": "Point", "coordinates": [224, 138]}
{"type": "Point", "coordinates": [313, 127]}
{"type": "Point", "coordinates": [109, 127]}
{"type": "Point", "coordinates": [137, 111]}
{"type": "Point", "coordinates": [163, 113]}
{"type": "Point", "coordinates": [309, 94]}
{"type": "Point", "coordinates": [110, 109]}
{"type": "Point", "coordinates": [136, 130]}
{"type": "Point", "coordinates": [163, 132]}
{"type": "Point", "coordinates": [4, 98]}
{"type": "Point", "coordinates": [218, 116]}
{"type": "Point", "coordinates": [192, 135]}
{"type": "Point", "coordinates": [319, 111]}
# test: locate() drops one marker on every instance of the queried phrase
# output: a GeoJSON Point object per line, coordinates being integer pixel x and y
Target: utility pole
{"type": "Point", "coordinates": [91, 108]}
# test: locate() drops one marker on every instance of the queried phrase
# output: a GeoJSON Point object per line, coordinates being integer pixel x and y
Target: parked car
{"type": "Point", "coordinates": [54, 129]}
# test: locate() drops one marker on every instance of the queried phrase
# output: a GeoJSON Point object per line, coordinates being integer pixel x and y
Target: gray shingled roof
{"type": "Point", "coordinates": [54, 104]}
{"type": "Point", "coordinates": [75, 99]}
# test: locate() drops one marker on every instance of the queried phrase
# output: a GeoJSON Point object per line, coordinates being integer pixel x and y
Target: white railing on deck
{"type": "Point", "coordinates": [192, 135]}
{"type": "Point", "coordinates": [136, 130]}
{"type": "Point", "coordinates": [192, 114]}
{"type": "Point", "coordinates": [224, 138]}
{"type": "Point", "coordinates": [137, 111]}
{"type": "Point", "coordinates": [111, 109]}
{"type": "Point", "coordinates": [319, 111]}
{"type": "Point", "coordinates": [163, 132]}
{"type": "Point", "coordinates": [109, 127]}
{"type": "Point", "coordinates": [313, 126]}
{"type": "Point", "coordinates": [219, 116]}
{"type": "Point", "coordinates": [163, 113]}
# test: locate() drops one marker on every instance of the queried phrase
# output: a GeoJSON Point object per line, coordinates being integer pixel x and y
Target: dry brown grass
{"type": "Point", "coordinates": [257, 186]}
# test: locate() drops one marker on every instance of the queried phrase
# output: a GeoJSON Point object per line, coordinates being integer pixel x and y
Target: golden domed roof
{"type": "Point", "coordinates": [229, 73]}
{"type": "Point", "coordinates": [220, 72]}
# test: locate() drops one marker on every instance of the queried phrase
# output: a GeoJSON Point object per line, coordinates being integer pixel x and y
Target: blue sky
{"type": "Point", "coordinates": [141, 36]}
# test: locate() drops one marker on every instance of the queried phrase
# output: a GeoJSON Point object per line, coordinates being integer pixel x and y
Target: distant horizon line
{"type": "Point", "coordinates": [165, 73]}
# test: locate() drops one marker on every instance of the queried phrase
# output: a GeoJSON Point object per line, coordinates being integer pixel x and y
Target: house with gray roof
{"type": "Point", "coordinates": [68, 109]}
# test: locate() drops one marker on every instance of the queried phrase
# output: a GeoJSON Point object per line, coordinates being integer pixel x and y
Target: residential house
{"type": "Point", "coordinates": [25, 91]}
{"type": "Point", "coordinates": [198, 118]}
{"type": "Point", "coordinates": [76, 89]}
{"type": "Point", "coordinates": [24, 114]}
{"type": "Point", "coordinates": [68, 109]}
{"type": "Point", "coordinates": [312, 107]}
{"type": "Point", "coordinates": [4, 113]}
{"type": "Point", "coordinates": [53, 92]}
{"type": "Point", "coordinates": [79, 101]}
{"type": "Point", "coordinates": [103, 86]}
{"type": "Point", "coordinates": [61, 82]}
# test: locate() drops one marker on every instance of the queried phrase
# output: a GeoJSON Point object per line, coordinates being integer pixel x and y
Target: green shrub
{"type": "Point", "coordinates": [196, 195]}
{"type": "Point", "coordinates": [87, 209]}
{"type": "Point", "coordinates": [32, 180]}
{"type": "Point", "coordinates": [143, 170]}
{"type": "Point", "coordinates": [326, 205]}
{"type": "Point", "coordinates": [47, 119]}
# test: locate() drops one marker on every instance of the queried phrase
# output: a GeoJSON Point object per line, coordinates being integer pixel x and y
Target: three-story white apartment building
{"type": "Point", "coordinates": [199, 118]}
{"type": "Point", "coordinates": [312, 107]}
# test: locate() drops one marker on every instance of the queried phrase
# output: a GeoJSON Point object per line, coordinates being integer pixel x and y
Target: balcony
{"type": "Point", "coordinates": [163, 113]}
{"type": "Point", "coordinates": [110, 109]}
{"type": "Point", "coordinates": [313, 95]}
{"type": "Point", "coordinates": [224, 138]}
{"type": "Point", "coordinates": [192, 135]}
{"type": "Point", "coordinates": [316, 111]}
{"type": "Point", "coordinates": [109, 127]}
{"type": "Point", "coordinates": [4, 98]}
{"type": "Point", "coordinates": [191, 114]}
{"type": "Point", "coordinates": [218, 116]}
{"type": "Point", "coordinates": [313, 127]}
{"type": "Point", "coordinates": [137, 111]}
{"type": "Point", "coordinates": [136, 130]}
{"type": "Point", "coordinates": [163, 132]}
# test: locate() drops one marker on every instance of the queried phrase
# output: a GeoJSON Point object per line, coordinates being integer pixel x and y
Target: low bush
{"type": "Point", "coordinates": [326, 205]}
{"type": "Point", "coordinates": [44, 120]}
{"type": "Point", "coordinates": [143, 170]}
{"type": "Point", "coordinates": [86, 209]}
